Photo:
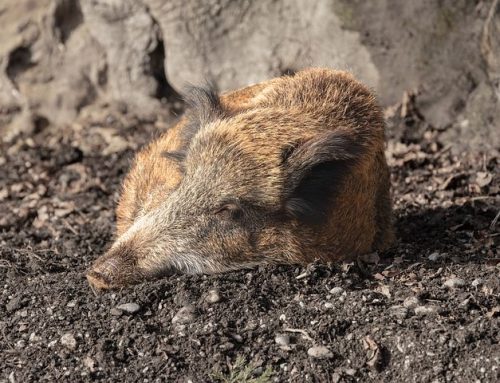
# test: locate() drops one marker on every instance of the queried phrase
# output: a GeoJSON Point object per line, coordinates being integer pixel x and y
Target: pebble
{"type": "Point", "coordinates": [68, 341]}
{"type": "Point", "coordinates": [34, 338]}
{"type": "Point", "coordinates": [400, 311]}
{"type": "Point", "coordinates": [258, 372]}
{"type": "Point", "coordinates": [20, 344]}
{"type": "Point", "coordinates": [434, 257]}
{"type": "Point", "coordinates": [319, 352]}
{"type": "Point", "coordinates": [237, 337]}
{"type": "Point", "coordinates": [114, 311]}
{"type": "Point", "coordinates": [226, 346]}
{"type": "Point", "coordinates": [186, 314]}
{"type": "Point", "coordinates": [350, 371]}
{"type": "Point", "coordinates": [328, 305]}
{"type": "Point", "coordinates": [52, 343]}
{"type": "Point", "coordinates": [213, 296]}
{"type": "Point", "coordinates": [426, 310]}
{"type": "Point", "coordinates": [130, 308]}
{"type": "Point", "coordinates": [14, 304]}
{"type": "Point", "coordinates": [282, 340]}
{"type": "Point", "coordinates": [454, 283]}
{"type": "Point", "coordinates": [411, 302]}
{"type": "Point", "coordinates": [337, 291]}
{"type": "Point", "coordinates": [89, 363]}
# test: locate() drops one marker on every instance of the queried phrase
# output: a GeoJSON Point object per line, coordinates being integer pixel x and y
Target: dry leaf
{"type": "Point", "coordinates": [379, 277]}
{"type": "Point", "coordinates": [483, 179]}
{"type": "Point", "coordinates": [493, 312]}
{"type": "Point", "coordinates": [390, 273]}
{"type": "Point", "coordinates": [384, 289]}
{"type": "Point", "coordinates": [374, 355]}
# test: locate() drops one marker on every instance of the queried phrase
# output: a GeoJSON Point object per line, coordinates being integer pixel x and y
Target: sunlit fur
{"type": "Point", "coordinates": [287, 171]}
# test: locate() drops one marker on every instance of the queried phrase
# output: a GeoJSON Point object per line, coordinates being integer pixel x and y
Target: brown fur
{"type": "Point", "coordinates": [286, 171]}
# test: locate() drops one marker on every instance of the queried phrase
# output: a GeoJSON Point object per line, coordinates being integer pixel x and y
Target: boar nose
{"type": "Point", "coordinates": [101, 275]}
{"type": "Point", "coordinates": [110, 271]}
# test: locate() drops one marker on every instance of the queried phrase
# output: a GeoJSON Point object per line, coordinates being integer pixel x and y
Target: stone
{"type": "Point", "coordinates": [426, 310]}
{"type": "Point", "coordinates": [434, 257]}
{"type": "Point", "coordinates": [130, 308]}
{"type": "Point", "coordinates": [282, 340]}
{"type": "Point", "coordinates": [34, 338]}
{"type": "Point", "coordinates": [115, 312]}
{"type": "Point", "coordinates": [400, 312]}
{"type": "Point", "coordinates": [320, 352]}
{"type": "Point", "coordinates": [452, 283]}
{"type": "Point", "coordinates": [68, 341]}
{"type": "Point", "coordinates": [337, 291]}
{"type": "Point", "coordinates": [213, 296]}
{"type": "Point", "coordinates": [186, 314]}
{"type": "Point", "coordinates": [89, 363]}
{"type": "Point", "coordinates": [411, 302]}
{"type": "Point", "coordinates": [14, 304]}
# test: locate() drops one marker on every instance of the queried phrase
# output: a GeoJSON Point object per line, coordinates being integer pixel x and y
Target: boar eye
{"type": "Point", "coordinates": [231, 210]}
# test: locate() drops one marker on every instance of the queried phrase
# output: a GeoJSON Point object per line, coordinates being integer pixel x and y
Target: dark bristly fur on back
{"type": "Point", "coordinates": [286, 171]}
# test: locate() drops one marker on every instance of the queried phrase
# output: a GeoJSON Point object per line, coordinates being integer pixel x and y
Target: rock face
{"type": "Point", "coordinates": [60, 56]}
{"type": "Point", "coordinates": [49, 65]}
{"type": "Point", "coordinates": [235, 43]}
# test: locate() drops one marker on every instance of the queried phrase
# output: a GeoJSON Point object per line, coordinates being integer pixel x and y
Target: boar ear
{"type": "Point", "coordinates": [315, 170]}
{"type": "Point", "coordinates": [204, 103]}
{"type": "Point", "coordinates": [203, 106]}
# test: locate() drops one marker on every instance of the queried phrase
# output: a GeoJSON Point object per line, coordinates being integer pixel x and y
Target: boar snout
{"type": "Point", "coordinates": [114, 269]}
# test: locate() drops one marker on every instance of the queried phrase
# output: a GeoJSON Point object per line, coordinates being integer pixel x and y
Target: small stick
{"type": "Point", "coordinates": [300, 331]}
{"type": "Point", "coordinates": [70, 228]}
{"type": "Point", "coordinates": [302, 276]}
{"type": "Point", "coordinates": [495, 220]}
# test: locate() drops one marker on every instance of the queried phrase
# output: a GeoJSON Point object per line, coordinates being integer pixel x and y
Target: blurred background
{"type": "Point", "coordinates": [63, 60]}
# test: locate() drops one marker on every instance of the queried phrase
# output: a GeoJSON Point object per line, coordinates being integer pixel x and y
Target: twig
{"type": "Point", "coordinates": [442, 151]}
{"type": "Point", "coordinates": [495, 220]}
{"type": "Point", "coordinates": [483, 197]}
{"type": "Point", "coordinates": [93, 290]}
{"type": "Point", "coordinates": [300, 331]}
{"type": "Point", "coordinates": [305, 274]}
{"type": "Point", "coordinates": [71, 228]}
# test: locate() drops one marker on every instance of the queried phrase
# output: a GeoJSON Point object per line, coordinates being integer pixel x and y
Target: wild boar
{"type": "Point", "coordinates": [290, 170]}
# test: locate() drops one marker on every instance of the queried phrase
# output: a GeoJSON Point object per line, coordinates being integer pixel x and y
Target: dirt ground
{"type": "Point", "coordinates": [426, 311]}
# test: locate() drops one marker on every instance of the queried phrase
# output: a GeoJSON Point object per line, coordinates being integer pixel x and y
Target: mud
{"type": "Point", "coordinates": [427, 310]}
